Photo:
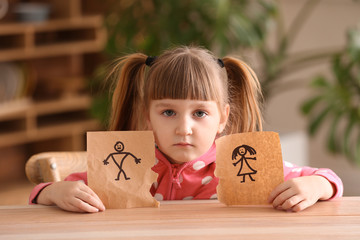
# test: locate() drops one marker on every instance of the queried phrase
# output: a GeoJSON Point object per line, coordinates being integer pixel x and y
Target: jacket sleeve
{"type": "Point", "coordinates": [293, 171]}
{"type": "Point", "coordinates": [38, 188]}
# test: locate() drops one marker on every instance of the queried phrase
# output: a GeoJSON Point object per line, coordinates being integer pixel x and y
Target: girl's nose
{"type": "Point", "coordinates": [184, 127]}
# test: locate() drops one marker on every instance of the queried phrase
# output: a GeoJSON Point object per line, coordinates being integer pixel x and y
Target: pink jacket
{"type": "Point", "coordinates": [196, 180]}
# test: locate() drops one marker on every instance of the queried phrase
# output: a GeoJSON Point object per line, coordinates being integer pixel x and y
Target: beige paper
{"type": "Point", "coordinates": [249, 166]}
{"type": "Point", "coordinates": [119, 167]}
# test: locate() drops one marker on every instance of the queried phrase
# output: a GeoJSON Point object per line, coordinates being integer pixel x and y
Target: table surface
{"type": "Point", "coordinates": [208, 219]}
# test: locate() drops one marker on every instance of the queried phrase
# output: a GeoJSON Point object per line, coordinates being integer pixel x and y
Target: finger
{"type": "Point", "coordinates": [302, 205]}
{"type": "Point", "coordinates": [90, 200]}
{"type": "Point", "coordinates": [283, 197]}
{"type": "Point", "coordinates": [67, 206]}
{"type": "Point", "coordinates": [89, 191]}
{"type": "Point", "coordinates": [292, 202]}
{"type": "Point", "coordinates": [72, 208]}
{"type": "Point", "coordinates": [82, 206]}
{"type": "Point", "coordinates": [93, 194]}
{"type": "Point", "coordinates": [278, 190]}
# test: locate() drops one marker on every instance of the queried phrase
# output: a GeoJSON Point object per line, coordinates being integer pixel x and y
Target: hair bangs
{"type": "Point", "coordinates": [183, 76]}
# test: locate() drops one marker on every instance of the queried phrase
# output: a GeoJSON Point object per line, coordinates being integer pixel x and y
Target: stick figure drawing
{"type": "Point", "coordinates": [245, 168]}
{"type": "Point", "coordinates": [119, 148]}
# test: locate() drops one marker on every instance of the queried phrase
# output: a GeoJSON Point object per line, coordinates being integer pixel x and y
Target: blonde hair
{"type": "Point", "coordinates": [184, 73]}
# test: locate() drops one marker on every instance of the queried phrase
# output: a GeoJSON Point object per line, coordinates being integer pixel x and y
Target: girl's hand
{"type": "Point", "coordinates": [299, 193]}
{"type": "Point", "coordinates": [71, 196]}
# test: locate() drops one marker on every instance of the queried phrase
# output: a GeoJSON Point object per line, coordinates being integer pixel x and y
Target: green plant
{"type": "Point", "coordinates": [223, 26]}
{"type": "Point", "coordinates": [150, 26]}
{"type": "Point", "coordinates": [337, 100]}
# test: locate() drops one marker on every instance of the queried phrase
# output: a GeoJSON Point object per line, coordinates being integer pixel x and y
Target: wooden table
{"type": "Point", "coordinates": [337, 219]}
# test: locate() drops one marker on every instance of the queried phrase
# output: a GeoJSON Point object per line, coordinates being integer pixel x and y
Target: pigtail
{"type": "Point", "coordinates": [244, 97]}
{"type": "Point", "coordinates": [126, 109]}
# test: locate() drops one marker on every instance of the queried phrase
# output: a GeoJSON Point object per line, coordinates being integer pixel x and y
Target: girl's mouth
{"type": "Point", "coordinates": [183, 144]}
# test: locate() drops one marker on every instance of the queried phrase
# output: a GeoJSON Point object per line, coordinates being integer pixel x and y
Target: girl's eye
{"type": "Point", "coordinates": [200, 114]}
{"type": "Point", "coordinates": [168, 113]}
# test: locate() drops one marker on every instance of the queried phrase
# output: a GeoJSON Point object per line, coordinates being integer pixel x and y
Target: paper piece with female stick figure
{"type": "Point", "coordinates": [249, 166]}
{"type": "Point", "coordinates": [119, 167]}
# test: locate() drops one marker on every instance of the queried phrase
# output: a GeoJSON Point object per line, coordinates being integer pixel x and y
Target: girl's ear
{"type": "Point", "coordinates": [223, 119]}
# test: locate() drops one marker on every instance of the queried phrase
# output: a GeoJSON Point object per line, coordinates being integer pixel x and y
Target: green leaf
{"type": "Point", "coordinates": [357, 151]}
{"type": "Point", "coordinates": [346, 146]}
{"type": "Point", "coordinates": [307, 107]}
{"type": "Point", "coordinates": [336, 66]}
{"type": "Point", "coordinates": [332, 142]}
{"type": "Point", "coordinates": [100, 108]}
{"type": "Point", "coordinates": [315, 123]}
{"type": "Point", "coordinates": [320, 82]}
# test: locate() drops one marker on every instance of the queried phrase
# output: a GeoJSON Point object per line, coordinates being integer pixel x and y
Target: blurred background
{"type": "Point", "coordinates": [54, 55]}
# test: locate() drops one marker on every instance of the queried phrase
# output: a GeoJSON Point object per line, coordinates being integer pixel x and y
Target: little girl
{"type": "Point", "coordinates": [188, 98]}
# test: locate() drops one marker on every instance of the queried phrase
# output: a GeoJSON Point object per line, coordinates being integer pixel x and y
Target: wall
{"type": "Point", "coordinates": [324, 28]}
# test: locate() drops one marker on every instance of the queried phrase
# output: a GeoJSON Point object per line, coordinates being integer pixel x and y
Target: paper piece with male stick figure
{"type": "Point", "coordinates": [119, 167]}
{"type": "Point", "coordinates": [249, 166]}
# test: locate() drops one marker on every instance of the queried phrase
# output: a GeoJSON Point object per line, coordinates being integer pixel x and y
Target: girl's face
{"type": "Point", "coordinates": [185, 129]}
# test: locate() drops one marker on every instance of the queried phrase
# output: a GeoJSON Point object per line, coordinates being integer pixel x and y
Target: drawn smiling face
{"type": "Point", "coordinates": [119, 146]}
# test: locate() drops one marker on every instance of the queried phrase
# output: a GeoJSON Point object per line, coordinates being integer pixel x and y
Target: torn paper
{"type": "Point", "coordinates": [249, 166]}
{"type": "Point", "coordinates": [119, 167]}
